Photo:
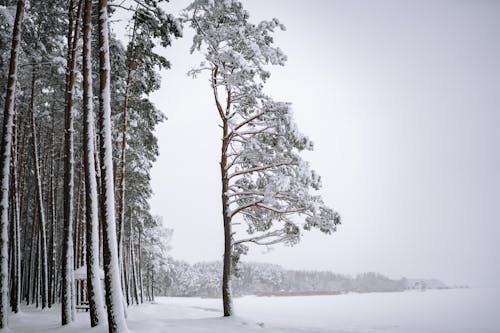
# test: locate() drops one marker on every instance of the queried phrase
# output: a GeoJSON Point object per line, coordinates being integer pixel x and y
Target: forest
{"type": "Point", "coordinates": [203, 280]}
{"type": "Point", "coordinates": [78, 143]}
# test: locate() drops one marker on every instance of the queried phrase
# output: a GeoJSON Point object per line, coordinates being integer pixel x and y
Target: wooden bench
{"type": "Point", "coordinates": [84, 306]}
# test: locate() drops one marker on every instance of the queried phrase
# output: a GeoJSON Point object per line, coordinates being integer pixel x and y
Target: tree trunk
{"type": "Point", "coordinates": [134, 292]}
{"type": "Point", "coordinates": [227, 301]}
{"type": "Point", "coordinates": [125, 274]}
{"type": "Point", "coordinates": [226, 270]}
{"type": "Point", "coordinates": [121, 202]}
{"type": "Point", "coordinates": [139, 256]}
{"type": "Point", "coordinates": [15, 295]}
{"type": "Point", "coordinates": [152, 285]}
{"type": "Point", "coordinates": [94, 290]}
{"type": "Point", "coordinates": [68, 307]}
{"type": "Point", "coordinates": [5, 156]}
{"type": "Point", "coordinates": [39, 193]}
{"type": "Point", "coordinates": [114, 300]}
{"type": "Point", "coordinates": [31, 259]}
{"type": "Point", "coordinates": [52, 216]}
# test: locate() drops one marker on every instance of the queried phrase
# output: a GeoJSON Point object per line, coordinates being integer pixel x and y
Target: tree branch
{"type": "Point", "coordinates": [256, 169]}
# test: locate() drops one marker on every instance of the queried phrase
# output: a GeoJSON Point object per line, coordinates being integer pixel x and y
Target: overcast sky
{"type": "Point", "coordinates": [402, 100]}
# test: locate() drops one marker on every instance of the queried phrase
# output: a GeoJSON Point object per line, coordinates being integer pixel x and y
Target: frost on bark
{"type": "Point", "coordinates": [94, 290]}
{"type": "Point", "coordinates": [39, 193]}
{"type": "Point", "coordinates": [67, 274]}
{"type": "Point", "coordinates": [114, 300]}
{"type": "Point", "coordinates": [266, 186]}
{"type": "Point", "coordinates": [5, 160]}
{"type": "Point", "coordinates": [15, 292]}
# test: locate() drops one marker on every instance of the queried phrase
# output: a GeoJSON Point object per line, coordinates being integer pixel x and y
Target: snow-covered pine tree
{"type": "Point", "coordinates": [114, 300]}
{"type": "Point", "coordinates": [265, 182]}
{"type": "Point", "coordinates": [5, 160]}
{"type": "Point", "coordinates": [67, 275]}
{"type": "Point", "coordinates": [150, 25]}
{"type": "Point", "coordinates": [155, 247]}
{"type": "Point", "coordinates": [135, 116]}
{"type": "Point", "coordinates": [39, 193]}
{"type": "Point", "coordinates": [94, 290]}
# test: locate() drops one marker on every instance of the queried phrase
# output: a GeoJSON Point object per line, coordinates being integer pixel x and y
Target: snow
{"type": "Point", "coordinates": [112, 271]}
{"type": "Point", "coordinates": [81, 273]}
{"type": "Point", "coordinates": [432, 311]}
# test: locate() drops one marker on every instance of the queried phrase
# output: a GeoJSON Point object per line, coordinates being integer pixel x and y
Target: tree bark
{"type": "Point", "coordinates": [133, 263]}
{"type": "Point", "coordinates": [5, 157]}
{"type": "Point", "coordinates": [53, 219]}
{"type": "Point", "coordinates": [227, 302]}
{"type": "Point", "coordinates": [39, 193]}
{"type": "Point", "coordinates": [94, 290]}
{"type": "Point", "coordinates": [114, 300]}
{"type": "Point", "coordinates": [227, 261]}
{"type": "Point", "coordinates": [139, 259]}
{"type": "Point", "coordinates": [67, 275]}
{"type": "Point", "coordinates": [15, 295]}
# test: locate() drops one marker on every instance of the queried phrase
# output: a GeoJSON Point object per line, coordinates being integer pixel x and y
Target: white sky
{"type": "Point", "coordinates": [402, 99]}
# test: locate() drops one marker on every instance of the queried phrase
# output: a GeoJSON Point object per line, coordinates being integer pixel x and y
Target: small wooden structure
{"type": "Point", "coordinates": [82, 301]}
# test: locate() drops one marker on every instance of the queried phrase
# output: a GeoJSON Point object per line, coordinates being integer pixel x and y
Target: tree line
{"type": "Point", "coordinates": [78, 144]}
{"type": "Point", "coordinates": [203, 280]}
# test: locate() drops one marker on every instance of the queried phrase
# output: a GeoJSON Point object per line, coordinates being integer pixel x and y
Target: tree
{"type": "Point", "coordinates": [5, 160]}
{"type": "Point", "coordinates": [39, 193]}
{"type": "Point", "coordinates": [266, 186]}
{"type": "Point", "coordinates": [68, 306]}
{"type": "Point", "coordinates": [94, 290]}
{"type": "Point", "coordinates": [135, 78]}
{"type": "Point", "coordinates": [114, 301]}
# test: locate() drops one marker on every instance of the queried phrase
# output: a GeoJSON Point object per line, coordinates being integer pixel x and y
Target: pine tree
{"type": "Point", "coordinates": [265, 183]}
{"type": "Point", "coordinates": [39, 193]}
{"type": "Point", "coordinates": [94, 289]}
{"type": "Point", "coordinates": [68, 300]}
{"type": "Point", "coordinates": [114, 303]}
{"type": "Point", "coordinates": [5, 160]}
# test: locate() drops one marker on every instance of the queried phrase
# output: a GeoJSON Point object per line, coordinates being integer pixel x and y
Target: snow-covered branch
{"type": "Point", "coordinates": [257, 169]}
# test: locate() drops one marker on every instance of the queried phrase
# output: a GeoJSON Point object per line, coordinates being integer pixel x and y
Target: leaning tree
{"type": "Point", "coordinates": [267, 188]}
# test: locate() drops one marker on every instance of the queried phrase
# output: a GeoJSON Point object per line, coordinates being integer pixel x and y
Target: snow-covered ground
{"type": "Point", "coordinates": [433, 311]}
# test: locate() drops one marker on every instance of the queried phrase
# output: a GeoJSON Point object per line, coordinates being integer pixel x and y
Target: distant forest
{"type": "Point", "coordinates": [203, 280]}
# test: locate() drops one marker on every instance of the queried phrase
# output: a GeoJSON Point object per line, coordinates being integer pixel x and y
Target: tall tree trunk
{"type": "Point", "coordinates": [79, 247]}
{"type": "Point", "coordinates": [133, 263]}
{"type": "Point", "coordinates": [39, 193]}
{"type": "Point", "coordinates": [5, 156]}
{"type": "Point", "coordinates": [125, 275]}
{"type": "Point", "coordinates": [121, 197]}
{"type": "Point", "coordinates": [139, 259]}
{"type": "Point", "coordinates": [114, 300]}
{"type": "Point", "coordinates": [22, 207]}
{"type": "Point", "coordinates": [53, 219]}
{"type": "Point", "coordinates": [94, 290]}
{"type": "Point", "coordinates": [36, 267]}
{"type": "Point", "coordinates": [15, 295]}
{"type": "Point", "coordinates": [227, 260]}
{"type": "Point", "coordinates": [226, 270]}
{"type": "Point", "coordinates": [152, 284]}
{"type": "Point", "coordinates": [68, 307]}
{"type": "Point", "coordinates": [31, 259]}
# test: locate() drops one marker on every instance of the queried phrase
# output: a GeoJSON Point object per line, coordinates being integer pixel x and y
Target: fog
{"type": "Point", "coordinates": [402, 100]}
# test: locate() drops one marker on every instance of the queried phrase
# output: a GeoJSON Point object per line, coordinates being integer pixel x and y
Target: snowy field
{"type": "Point", "coordinates": [435, 311]}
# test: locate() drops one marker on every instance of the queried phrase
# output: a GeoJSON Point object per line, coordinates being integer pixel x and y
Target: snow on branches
{"type": "Point", "coordinates": [270, 188]}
